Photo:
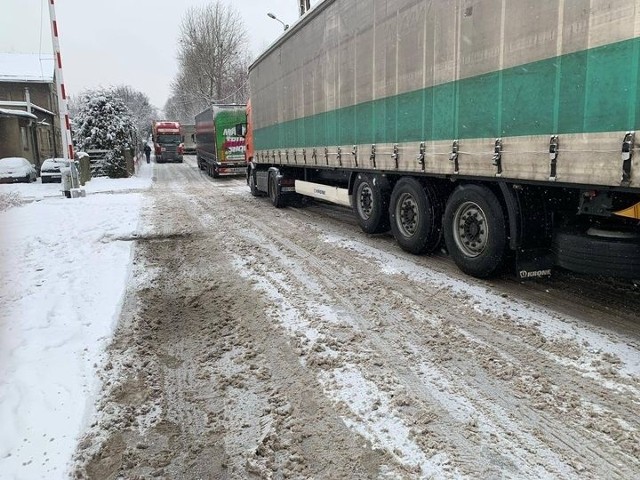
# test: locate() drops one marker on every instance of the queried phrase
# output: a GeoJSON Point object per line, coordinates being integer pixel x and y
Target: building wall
{"type": "Point", "coordinates": [32, 140]}
{"type": "Point", "coordinates": [16, 139]}
{"type": "Point", "coordinates": [42, 94]}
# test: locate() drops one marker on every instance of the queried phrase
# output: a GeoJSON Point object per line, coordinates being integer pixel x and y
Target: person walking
{"type": "Point", "coordinates": [147, 152]}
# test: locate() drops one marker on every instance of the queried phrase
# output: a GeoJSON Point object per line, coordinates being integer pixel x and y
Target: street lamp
{"type": "Point", "coordinates": [271, 15]}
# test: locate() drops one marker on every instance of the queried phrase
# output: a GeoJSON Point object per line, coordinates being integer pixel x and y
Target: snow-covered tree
{"type": "Point", "coordinates": [104, 122]}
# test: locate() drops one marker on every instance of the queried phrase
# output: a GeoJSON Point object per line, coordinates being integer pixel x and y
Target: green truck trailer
{"type": "Point", "coordinates": [503, 130]}
{"type": "Point", "coordinates": [219, 150]}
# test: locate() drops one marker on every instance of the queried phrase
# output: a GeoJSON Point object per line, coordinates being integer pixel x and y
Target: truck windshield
{"type": "Point", "coordinates": [169, 139]}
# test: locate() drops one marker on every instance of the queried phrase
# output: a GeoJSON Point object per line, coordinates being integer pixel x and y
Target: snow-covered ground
{"type": "Point", "coordinates": [318, 353]}
{"type": "Point", "coordinates": [63, 272]}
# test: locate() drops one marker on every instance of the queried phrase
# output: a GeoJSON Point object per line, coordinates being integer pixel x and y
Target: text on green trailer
{"type": "Point", "coordinates": [219, 150]}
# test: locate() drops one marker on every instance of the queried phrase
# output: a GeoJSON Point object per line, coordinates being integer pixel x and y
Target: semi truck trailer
{"type": "Point", "coordinates": [504, 131]}
{"type": "Point", "coordinates": [188, 134]}
{"type": "Point", "coordinates": [219, 150]}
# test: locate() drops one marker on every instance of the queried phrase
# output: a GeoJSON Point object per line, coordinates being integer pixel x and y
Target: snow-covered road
{"type": "Point", "coordinates": [263, 343]}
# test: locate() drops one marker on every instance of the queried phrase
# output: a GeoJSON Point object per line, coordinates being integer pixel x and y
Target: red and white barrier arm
{"type": "Point", "coordinates": [63, 104]}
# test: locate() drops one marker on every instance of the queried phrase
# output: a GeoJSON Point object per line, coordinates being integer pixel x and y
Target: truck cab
{"type": "Point", "coordinates": [167, 142]}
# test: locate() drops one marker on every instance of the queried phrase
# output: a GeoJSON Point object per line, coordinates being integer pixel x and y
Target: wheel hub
{"type": "Point", "coordinates": [408, 215]}
{"type": "Point", "coordinates": [365, 201]}
{"type": "Point", "coordinates": [471, 231]}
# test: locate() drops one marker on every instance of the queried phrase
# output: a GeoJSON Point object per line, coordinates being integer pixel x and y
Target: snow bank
{"type": "Point", "coordinates": [63, 274]}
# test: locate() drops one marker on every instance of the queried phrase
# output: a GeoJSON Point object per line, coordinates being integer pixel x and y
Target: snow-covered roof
{"type": "Point", "coordinates": [26, 67]}
{"type": "Point", "coordinates": [5, 112]}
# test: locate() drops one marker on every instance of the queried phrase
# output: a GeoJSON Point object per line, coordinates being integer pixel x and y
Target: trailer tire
{"type": "Point", "coordinates": [475, 230]}
{"type": "Point", "coordinates": [371, 204]}
{"type": "Point", "coordinates": [415, 216]}
{"type": "Point", "coordinates": [597, 255]}
{"type": "Point", "coordinates": [277, 199]}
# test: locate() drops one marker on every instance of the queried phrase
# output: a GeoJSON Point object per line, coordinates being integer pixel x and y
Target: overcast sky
{"type": "Point", "coordinates": [125, 42]}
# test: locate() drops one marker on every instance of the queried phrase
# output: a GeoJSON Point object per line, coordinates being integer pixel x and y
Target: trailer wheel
{"type": "Point", "coordinates": [598, 254]}
{"type": "Point", "coordinates": [415, 216]}
{"type": "Point", "coordinates": [370, 204]}
{"type": "Point", "coordinates": [475, 230]}
{"type": "Point", "coordinates": [277, 199]}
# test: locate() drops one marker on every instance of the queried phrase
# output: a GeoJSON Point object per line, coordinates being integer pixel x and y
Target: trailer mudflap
{"type": "Point", "coordinates": [533, 263]}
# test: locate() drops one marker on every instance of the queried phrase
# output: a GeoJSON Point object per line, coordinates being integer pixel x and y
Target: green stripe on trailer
{"type": "Point", "coordinates": [584, 92]}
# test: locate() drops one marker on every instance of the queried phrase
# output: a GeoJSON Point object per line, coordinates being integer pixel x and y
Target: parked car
{"type": "Point", "coordinates": [50, 170]}
{"type": "Point", "coordinates": [16, 169]}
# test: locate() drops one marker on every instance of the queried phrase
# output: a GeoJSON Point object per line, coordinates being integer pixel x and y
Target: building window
{"type": "Point", "coordinates": [24, 137]}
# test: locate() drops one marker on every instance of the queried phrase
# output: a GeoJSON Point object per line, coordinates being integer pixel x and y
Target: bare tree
{"type": "Point", "coordinates": [141, 109]}
{"type": "Point", "coordinates": [212, 61]}
{"type": "Point", "coordinates": [171, 110]}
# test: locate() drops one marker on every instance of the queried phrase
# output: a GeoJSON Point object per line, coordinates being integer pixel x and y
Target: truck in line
{"type": "Point", "coordinates": [219, 150]}
{"type": "Point", "coordinates": [188, 136]}
{"type": "Point", "coordinates": [167, 141]}
{"type": "Point", "coordinates": [505, 131]}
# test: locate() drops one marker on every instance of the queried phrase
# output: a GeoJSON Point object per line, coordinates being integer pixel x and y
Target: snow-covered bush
{"type": "Point", "coordinates": [104, 122]}
{"type": "Point", "coordinates": [8, 200]}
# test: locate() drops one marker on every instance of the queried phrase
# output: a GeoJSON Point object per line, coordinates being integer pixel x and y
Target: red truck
{"type": "Point", "coordinates": [167, 142]}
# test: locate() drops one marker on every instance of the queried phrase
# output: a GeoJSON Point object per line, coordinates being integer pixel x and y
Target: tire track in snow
{"type": "Point", "coordinates": [304, 255]}
{"type": "Point", "coordinates": [414, 383]}
{"type": "Point", "coordinates": [247, 202]}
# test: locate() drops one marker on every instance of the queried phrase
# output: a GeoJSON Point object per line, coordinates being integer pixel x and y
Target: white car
{"type": "Point", "coordinates": [50, 170]}
{"type": "Point", "coordinates": [16, 169]}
